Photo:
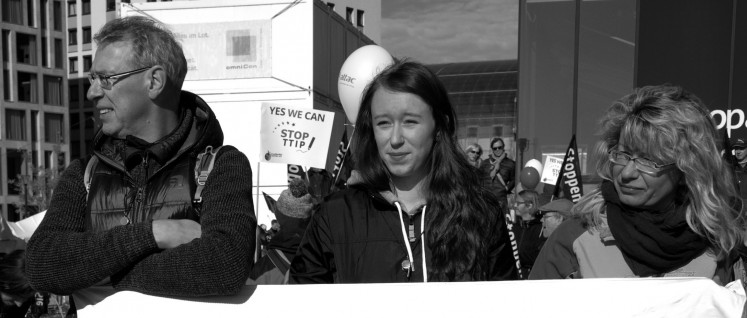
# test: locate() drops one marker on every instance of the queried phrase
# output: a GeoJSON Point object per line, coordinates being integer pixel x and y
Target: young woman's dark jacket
{"type": "Point", "coordinates": [356, 236]}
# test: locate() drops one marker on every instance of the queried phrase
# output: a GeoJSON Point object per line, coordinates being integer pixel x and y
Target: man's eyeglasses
{"type": "Point", "coordinates": [498, 148]}
{"type": "Point", "coordinates": [644, 165]}
{"type": "Point", "coordinates": [107, 81]}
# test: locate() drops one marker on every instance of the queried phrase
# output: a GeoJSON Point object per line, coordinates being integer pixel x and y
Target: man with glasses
{"type": "Point", "coordinates": [499, 171]}
{"type": "Point", "coordinates": [553, 214]}
{"type": "Point", "coordinates": [138, 227]}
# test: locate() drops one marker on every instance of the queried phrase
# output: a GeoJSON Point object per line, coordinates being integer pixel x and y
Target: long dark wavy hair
{"type": "Point", "coordinates": [461, 218]}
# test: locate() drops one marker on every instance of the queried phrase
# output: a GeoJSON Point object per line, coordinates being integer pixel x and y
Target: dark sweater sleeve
{"type": "Point", "coordinates": [557, 260]}
{"type": "Point", "coordinates": [314, 262]}
{"type": "Point", "coordinates": [63, 257]}
{"type": "Point", "coordinates": [219, 262]}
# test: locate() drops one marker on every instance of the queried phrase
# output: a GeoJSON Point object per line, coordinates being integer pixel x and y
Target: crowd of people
{"type": "Point", "coordinates": [417, 209]}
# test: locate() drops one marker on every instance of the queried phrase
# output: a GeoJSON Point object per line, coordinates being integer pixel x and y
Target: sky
{"type": "Point", "coordinates": [447, 31]}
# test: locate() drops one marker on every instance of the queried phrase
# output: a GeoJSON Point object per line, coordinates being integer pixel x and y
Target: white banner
{"type": "Point", "coordinates": [578, 298]}
{"type": "Point", "coordinates": [551, 170]}
{"type": "Point", "coordinates": [226, 50]}
{"type": "Point", "coordinates": [295, 135]}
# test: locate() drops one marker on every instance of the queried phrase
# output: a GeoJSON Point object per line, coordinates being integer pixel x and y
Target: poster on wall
{"type": "Point", "coordinates": [226, 50]}
{"type": "Point", "coordinates": [295, 135]}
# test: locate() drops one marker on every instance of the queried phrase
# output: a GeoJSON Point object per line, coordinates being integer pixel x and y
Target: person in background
{"type": "Point", "coordinates": [293, 211]}
{"type": "Point", "coordinates": [419, 213]}
{"type": "Point", "coordinates": [138, 228]}
{"type": "Point", "coordinates": [740, 154]}
{"type": "Point", "coordinates": [553, 214]}
{"type": "Point", "coordinates": [474, 155]}
{"type": "Point", "coordinates": [19, 299]}
{"type": "Point", "coordinates": [499, 171]}
{"type": "Point", "coordinates": [528, 229]}
{"type": "Point", "coordinates": [667, 205]}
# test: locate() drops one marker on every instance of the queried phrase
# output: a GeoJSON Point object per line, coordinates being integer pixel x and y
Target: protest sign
{"type": "Point", "coordinates": [551, 170]}
{"type": "Point", "coordinates": [295, 135]}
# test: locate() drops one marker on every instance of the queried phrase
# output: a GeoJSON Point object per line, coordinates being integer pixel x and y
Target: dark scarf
{"type": "Point", "coordinates": [652, 242]}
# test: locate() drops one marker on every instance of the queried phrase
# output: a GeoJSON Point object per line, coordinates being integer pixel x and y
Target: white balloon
{"type": "Point", "coordinates": [536, 164]}
{"type": "Point", "coordinates": [356, 73]}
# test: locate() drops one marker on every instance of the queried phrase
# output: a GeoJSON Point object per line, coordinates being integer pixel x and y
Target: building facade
{"type": "Point", "coordinates": [577, 57]}
{"type": "Point", "coordinates": [484, 96]}
{"type": "Point", "coordinates": [33, 110]}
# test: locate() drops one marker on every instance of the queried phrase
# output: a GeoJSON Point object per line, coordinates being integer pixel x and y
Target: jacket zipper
{"type": "Point", "coordinates": [140, 187]}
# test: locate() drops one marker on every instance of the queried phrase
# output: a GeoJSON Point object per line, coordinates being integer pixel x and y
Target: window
{"type": "Point", "coordinates": [6, 45]}
{"type": "Point", "coordinates": [74, 97]}
{"type": "Point", "coordinates": [34, 126]}
{"type": "Point", "coordinates": [43, 14]}
{"type": "Point", "coordinates": [331, 6]}
{"type": "Point", "coordinates": [6, 85]}
{"type": "Point", "coordinates": [48, 157]}
{"type": "Point", "coordinates": [12, 11]}
{"type": "Point", "coordinates": [15, 165]}
{"type": "Point", "coordinates": [71, 6]}
{"type": "Point", "coordinates": [25, 48]}
{"type": "Point", "coordinates": [86, 35]}
{"type": "Point", "coordinates": [45, 52]}
{"type": "Point", "coordinates": [57, 16]}
{"type": "Point", "coordinates": [472, 132]}
{"type": "Point", "coordinates": [74, 121]}
{"type": "Point", "coordinates": [53, 90]}
{"type": "Point", "coordinates": [86, 86]}
{"type": "Point", "coordinates": [497, 131]}
{"type": "Point", "coordinates": [58, 53]}
{"type": "Point", "coordinates": [90, 120]}
{"type": "Point", "coordinates": [349, 14]}
{"type": "Point", "coordinates": [27, 90]}
{"type": "Point", "coordinates": [53, 130]}
{"type": "Point", "coordinates": [86, 7]}
{"type": "Point", "coordinates": [359, 20]}
{"type": "Point", "coordinates": [15, 124]}
{"type": "Point", "coordinates": [60, 160]}
{"type": "Point", "coordinates": [73, 65]}
{"type": "Point", "coordinates": [111, 5]}
{"type": "Point", "coordinates": [30, 13]}
{"type": "Point", "coordinates": [72, 36]}
{"type": "Point", "coordinates": [87, 63]}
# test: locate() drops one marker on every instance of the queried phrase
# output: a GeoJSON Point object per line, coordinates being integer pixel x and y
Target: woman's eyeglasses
{"type": "Point", "coordinates": [473, 151]}
{"type": "Point", "coordinates": [644, 165]}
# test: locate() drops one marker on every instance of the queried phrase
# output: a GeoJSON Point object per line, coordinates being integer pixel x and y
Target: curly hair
{"type": "Point", "coordinates": [461, 220]}
{"type": "Point", "coordinates": [672, 125]}
{"type": "Point", "coordinates": [152, 44]}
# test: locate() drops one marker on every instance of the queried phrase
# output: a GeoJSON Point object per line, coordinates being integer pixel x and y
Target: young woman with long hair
{"type": "Point", "coordinates": [419, 212]}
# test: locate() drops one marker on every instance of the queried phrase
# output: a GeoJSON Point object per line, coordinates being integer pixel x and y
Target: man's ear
{"type": "Point", "coordinates": [156, 81]}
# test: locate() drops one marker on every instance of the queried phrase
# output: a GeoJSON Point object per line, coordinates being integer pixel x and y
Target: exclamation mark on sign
{"type": "Point", "coordinates": [312, 142]}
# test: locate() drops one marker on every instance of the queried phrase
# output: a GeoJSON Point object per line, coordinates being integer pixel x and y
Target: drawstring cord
{"type": "Point", "coordinates": [407, 241]}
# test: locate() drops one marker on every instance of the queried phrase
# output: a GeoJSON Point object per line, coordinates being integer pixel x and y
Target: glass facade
{"type": "Point", "coordinates": [576, 57]}
{"type": "Point", "coordinates": [484, 97]}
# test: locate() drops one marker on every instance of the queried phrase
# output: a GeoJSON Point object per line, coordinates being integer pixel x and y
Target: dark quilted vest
{"type": "Point", "coordinates": [113, 199]}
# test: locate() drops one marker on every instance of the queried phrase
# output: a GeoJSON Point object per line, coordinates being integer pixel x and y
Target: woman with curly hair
{"type": "Point", "coordinates": [418, 213]}
{"type": "Point", "coordinates": [667, 205]}
{"type": "Point", "coordinates": [474, 155]}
